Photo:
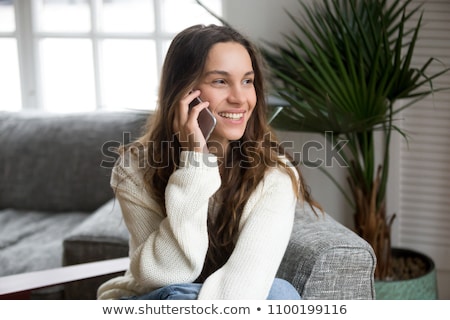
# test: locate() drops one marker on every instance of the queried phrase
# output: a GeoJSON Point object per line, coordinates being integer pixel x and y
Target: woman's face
{"type": "Point", "coordinates": [227, 84]}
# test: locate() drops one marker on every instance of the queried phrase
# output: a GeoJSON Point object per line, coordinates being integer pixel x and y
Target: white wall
{"type": "Point", "coordinates": [261, 19]}
{"type": "Point", "coordinates": [267, 20]}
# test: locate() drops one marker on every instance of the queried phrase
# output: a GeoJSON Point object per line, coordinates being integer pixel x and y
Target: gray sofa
{"type": "Point", "coordinates": [57, 208]}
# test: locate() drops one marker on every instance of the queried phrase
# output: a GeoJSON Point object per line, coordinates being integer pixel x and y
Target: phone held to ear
{"type": "Point", "coordinates": [206, 119]}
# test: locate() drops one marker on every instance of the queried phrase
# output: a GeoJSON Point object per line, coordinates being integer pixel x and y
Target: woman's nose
{"type": "Point", "coordinates": [236, 95]}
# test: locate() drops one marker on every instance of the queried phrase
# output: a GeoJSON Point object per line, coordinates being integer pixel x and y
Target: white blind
{"type": "Point", "coordinates": [424, 171]}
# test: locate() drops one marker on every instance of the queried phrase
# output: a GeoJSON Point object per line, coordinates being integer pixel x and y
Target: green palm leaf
{"type": "Point", "coordinates": [342, 71]}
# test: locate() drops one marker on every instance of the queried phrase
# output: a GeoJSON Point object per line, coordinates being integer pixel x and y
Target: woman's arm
{"type": "Point", "coordinates": [168, 249]}
{"type": "Point", "coordinates": [265, 229]}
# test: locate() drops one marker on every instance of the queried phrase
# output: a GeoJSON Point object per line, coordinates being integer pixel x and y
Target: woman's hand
{"type": "Point", "coordinates": [186, 126]}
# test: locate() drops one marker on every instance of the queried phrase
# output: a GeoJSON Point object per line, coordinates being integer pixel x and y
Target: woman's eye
{"type": "Point", "coordinates": [219, 81]}
{"type": "Point", "coordinates": [248, 81]}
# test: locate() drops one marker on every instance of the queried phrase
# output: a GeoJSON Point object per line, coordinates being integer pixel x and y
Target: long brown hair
{"type": "Point", "coordinates": [246, 161]}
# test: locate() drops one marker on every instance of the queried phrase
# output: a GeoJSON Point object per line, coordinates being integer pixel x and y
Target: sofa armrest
{"type": "Point", "coordinates": [325, 260]}
{"type": "Point", "coordinates": [102, 236]}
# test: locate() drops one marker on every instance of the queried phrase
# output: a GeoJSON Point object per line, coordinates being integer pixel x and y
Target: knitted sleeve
{"type": "Point", "coordinates": [265, 229]}
{"type": "Point", "coordinates": [168, 249]}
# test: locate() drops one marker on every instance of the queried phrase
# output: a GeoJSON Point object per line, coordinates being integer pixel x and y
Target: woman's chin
{"type": "Point", "coordinates": [227, 137]}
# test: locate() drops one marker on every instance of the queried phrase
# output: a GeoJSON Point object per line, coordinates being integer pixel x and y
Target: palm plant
{"type": "Point", "coordinates": [343, 71]}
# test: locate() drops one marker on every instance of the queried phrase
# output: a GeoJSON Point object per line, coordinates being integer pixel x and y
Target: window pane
{"type": "Point", "coordinates": [164, 48]}
{"type": "Point", "coordinates": [63, 15]}
{"type": "Point", "coordinates": [7, 21]}
{"type": "Point", "coordinates": [67, 75]}
{"type": "Point", "coordinates": [127, 16]}
{"type": "Point", "coordinates": [10, 98]}
{"type": "Point", "coordinates": [129, 78]}
{"type": "Point", "coordinates": [179, 14]}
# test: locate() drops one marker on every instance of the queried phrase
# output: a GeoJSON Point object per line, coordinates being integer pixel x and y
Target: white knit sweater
{"type": "Point", "coordinates": [171, 249]}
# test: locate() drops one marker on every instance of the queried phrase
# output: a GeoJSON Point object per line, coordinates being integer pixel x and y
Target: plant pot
{"type": "Point", "coordinates": [423, 287]}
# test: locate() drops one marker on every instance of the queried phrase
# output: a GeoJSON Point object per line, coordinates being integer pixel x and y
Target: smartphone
{"type": "Point", "coordinates": [206, 119]}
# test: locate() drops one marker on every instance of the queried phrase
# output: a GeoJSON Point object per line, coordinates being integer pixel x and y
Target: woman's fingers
{"type": "Point", "coordinates": [186, 125]}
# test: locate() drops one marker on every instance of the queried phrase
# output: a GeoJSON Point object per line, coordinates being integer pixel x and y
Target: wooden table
{"type": "Point", "coordinates": [19, 286]}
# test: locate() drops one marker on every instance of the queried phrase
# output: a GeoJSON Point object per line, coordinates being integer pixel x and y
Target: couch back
{"type": "Point", "coordinates": [61, 162]}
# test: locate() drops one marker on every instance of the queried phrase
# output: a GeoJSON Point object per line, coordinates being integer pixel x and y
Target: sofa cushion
{"type": "Point", "coordinates": [31, 241]}
{"type": "Point", "coordinates": [61, 162]}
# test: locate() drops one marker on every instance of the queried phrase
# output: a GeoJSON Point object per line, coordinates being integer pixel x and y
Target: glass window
{"type": "Point", "coordinates": [10, 97]}
{"type": "Point", "coordinates": [84, 55]}
{"type": "Point", "coordinates": [129, 78]}
{"type": "Point", "coordinates": [7, 19]}
{"type": "Point", "coordinates": [63, 15]}
{"type": "Point", "coordinates": [126, 16]}
{"type": "Point", "coordinates": [67, 75]}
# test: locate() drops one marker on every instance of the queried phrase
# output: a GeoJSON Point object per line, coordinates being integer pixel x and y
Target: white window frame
{"type": "Point", "coordinates": [28, 37]}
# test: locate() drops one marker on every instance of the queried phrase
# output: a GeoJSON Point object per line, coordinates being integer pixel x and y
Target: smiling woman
{"type": "Point", "coordinates": [214, 222]}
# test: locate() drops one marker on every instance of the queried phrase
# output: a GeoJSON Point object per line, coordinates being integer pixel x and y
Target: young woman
{"type": "Point", "coordinates": [207, 219]}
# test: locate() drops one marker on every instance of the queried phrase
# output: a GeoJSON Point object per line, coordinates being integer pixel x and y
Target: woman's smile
{"type": "Point", "coordinates": [232, 115]}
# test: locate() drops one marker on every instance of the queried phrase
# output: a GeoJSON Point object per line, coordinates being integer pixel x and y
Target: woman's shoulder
{"type": "Point", "coordinates": [129, 165]}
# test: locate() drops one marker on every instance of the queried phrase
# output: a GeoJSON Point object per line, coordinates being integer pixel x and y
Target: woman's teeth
{"type": "Point", "coordinates": [233, 116]}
